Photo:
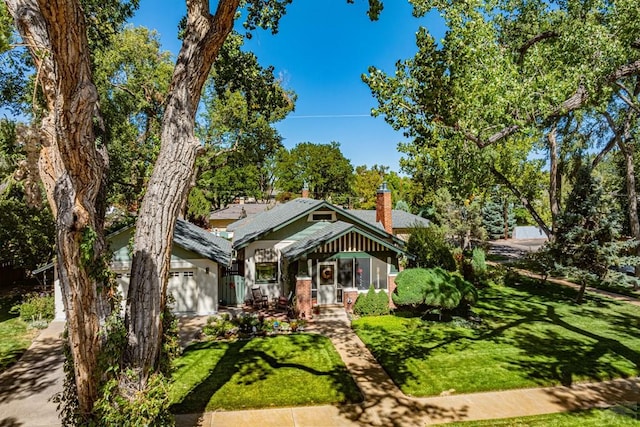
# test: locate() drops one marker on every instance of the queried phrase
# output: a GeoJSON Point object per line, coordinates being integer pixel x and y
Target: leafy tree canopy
{"type": "Point", "coordinates": [322, 167]}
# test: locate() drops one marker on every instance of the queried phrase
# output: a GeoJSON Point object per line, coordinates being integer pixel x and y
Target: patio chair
{"type": "Point", "coordinates": [283, 302]}
{"type": "Point", "coordinates": [259, 299]}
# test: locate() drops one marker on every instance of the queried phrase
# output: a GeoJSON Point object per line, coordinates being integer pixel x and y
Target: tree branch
{"type": "Point", "coordinates": [525, 201]}
{"type": "Point", "coordinates": [535, 39]}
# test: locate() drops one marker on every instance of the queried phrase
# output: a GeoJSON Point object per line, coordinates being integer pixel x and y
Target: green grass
{"type": "Point", "coordinates": [285, 370]}
{"type": "Point", "coordinates": [532, 335]}
{"type": "Point", "coordinates": [15, 336]}
{"type": "Point", "coordinates": [613, 417]}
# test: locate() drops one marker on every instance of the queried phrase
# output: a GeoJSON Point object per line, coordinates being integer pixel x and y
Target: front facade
{"type": "Point", "coordinates": [321, 253]}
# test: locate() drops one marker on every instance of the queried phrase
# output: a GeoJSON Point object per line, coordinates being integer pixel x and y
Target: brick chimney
{"type": "Point", "coordinates": [305, 190]}
{"type": "Point", "coordinates": [383, 208]}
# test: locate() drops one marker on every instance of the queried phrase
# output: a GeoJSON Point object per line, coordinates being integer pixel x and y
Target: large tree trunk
{"type": "Point", "coordinates": [169, 183]}
{"type": "Point", "coordinates": [72, 169]}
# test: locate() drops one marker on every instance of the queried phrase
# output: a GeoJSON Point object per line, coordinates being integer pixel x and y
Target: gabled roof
{"type": "Point", "coordinates": [238, 211]}
{"type": "Point", "coordinates": [249, 229]}
{"type": "Point", "coordinates": [330, 232]}
{"type": "Point", "coordinates": [252, 228]}
{"type": "Point", "coordinates": [202, 242]}
{"type": "Point", "coordinates": [399, 218]}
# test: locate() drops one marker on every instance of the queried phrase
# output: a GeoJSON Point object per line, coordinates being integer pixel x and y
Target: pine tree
{"type": "Point", "coordinates": [498, 219]}
{"type": "Point", "coordinates": [587, 241]}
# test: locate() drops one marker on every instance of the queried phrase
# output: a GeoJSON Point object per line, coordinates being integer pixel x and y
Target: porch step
{"type": "Point", "coordinates": [332, 312]}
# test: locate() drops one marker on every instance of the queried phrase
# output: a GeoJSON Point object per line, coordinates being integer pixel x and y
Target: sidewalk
{"type": "Point", "coordinates": [27, 387]}
{"type": "Point", "coordinates": [385, 405]}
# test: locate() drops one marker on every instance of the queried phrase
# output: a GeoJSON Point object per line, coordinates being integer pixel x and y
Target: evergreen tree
{"type": "Point", "coordinates": [498, 219]}
{"type": "Point", "coordinates": [586, 244]}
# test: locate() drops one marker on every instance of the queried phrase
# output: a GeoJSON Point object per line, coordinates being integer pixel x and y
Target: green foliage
{"type": "Point", "coordinates": [479, 263]}
{"type": "Point", "coordinates": [587, 240]}
{"type": "Point", "coordinates": [322, 167]}
{"type": "Point", "coordinates": [401, 205]}
{"type": "Point", "coordinates": [36, 309]}
{"type": "Point", "coordinates": [5, 28]}
{"type": "Point", "coordinates": [494, 221]}
{"type": "Point", "coordinates": [148, 407]}
{"type": "Point", "coordinates": [372, 303]}
{"type": "Point", "coordinates": [430, 249]}
{"type": "Point", "coordinates": [433, 288]}
{"type": "Point", "coordinates": [460, 219]}
{"type": "Point", "coordinates": [218, 326]}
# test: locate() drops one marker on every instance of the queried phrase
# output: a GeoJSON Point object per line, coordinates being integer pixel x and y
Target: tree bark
{"type": "Point", "coordinates": [72, 169]}
{"type": "Point", "coordinates": [169, 182]}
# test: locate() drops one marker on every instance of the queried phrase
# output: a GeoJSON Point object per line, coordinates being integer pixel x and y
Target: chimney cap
{"type": "Point", "coordinates": [383, 188]}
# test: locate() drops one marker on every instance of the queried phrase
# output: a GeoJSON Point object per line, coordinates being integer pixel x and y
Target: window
{"type": "Point", "coordinates": [362, 273]}
{"type": "Point", "coordinates": [266, 272]}
{"type": "Point", "coordinates": [266, 265]}
{"type": "Point", "coordinates": [174, 274]}
{"type": "Point", "coordinates": [322, 216]}
{"type": "Point", "coordinates": [188, 274]}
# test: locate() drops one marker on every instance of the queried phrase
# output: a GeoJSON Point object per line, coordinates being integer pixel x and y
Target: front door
{"type": "Point", "coordinates": [326, 283]}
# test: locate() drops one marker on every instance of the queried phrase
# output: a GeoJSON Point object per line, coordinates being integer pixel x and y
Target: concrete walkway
{"type": "Point", "coordinates": [385, 405]}
{"type": "Point", "coordinates": [27, 387]}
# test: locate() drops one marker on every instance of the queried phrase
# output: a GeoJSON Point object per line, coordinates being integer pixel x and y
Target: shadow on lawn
{"type": "Point", "coordinates": [561, 358]}
{"type": "Point", "coordinates": [252, 365]}
{"type": "Point", "coordinates": [554, 351]}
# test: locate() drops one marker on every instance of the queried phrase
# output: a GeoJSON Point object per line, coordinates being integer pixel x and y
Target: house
{"type": "Point", "coordinates": [220, 219]}
{"type": "Point", "coordinates": [321, 253]}
{"type": "Point", "coordinates": [197, 260]}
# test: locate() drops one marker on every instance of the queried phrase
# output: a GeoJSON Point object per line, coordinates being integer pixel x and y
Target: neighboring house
{"type": "Point", "coordinates": [220, 219]}
{"type": "Point", "coordinates": [198, 259]}
{"type": "Point", "coordinates": [322, 253]}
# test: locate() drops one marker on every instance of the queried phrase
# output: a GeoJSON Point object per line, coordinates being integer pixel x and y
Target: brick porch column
{"type": "Point", "coordinates": [391, 280]}
{"type": "Point", "coordinates": [303, 296]}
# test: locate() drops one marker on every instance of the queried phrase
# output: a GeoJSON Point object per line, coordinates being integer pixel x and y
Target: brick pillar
{"type": "Point", "coordinates": [391, 280]}
{"type": "Point", "coordinates": [383, 208]}
{"type": "Point", "coordinates": [303, 296]}
{"type": "Point", "coordinates": [349, 295]}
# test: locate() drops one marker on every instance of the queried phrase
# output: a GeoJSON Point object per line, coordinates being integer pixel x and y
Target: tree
{"type": "Point", "coordinates": [511, 73]}
{"type": "Point", "coordinates": [322, 167]}
{"type": "Point", "coordinates": [587, 245]}
{"type": "Point", "coordinates": [240, 142]}
{"type": "Point", "coordinates": [498, 218]}
{"type": "Point", "coordinates": [74, 163]}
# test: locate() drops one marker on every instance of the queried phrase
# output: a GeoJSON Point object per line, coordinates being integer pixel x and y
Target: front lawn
{"type": "Point", "coordinates": [618, 416]}
{"type": "Point", "coordinates": [15, 336]}
{"type": "Point", "coordinates": [532, 335]}
{"type": "Point", "coordinates": [284, 370]}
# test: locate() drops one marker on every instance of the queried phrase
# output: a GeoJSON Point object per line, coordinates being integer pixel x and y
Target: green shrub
{"type": "Point", "coordinates": [433, 288]}
{"type": "Point", "coordinates": [218, 326]}
{"type": "Point", "coordinates": [36, 308]}
{"type": "Point", "coordinates": [372, 303]}
{"type": "Point", "coordinates": [410, 284]}
{"type": "Point", "coordinates": [479, 263]}
{"type": "Point", "coordinates": [430, 249]}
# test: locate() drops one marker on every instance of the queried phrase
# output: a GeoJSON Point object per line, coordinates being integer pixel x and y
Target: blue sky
{"type": "Point", "coordinates": [321, 50]}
